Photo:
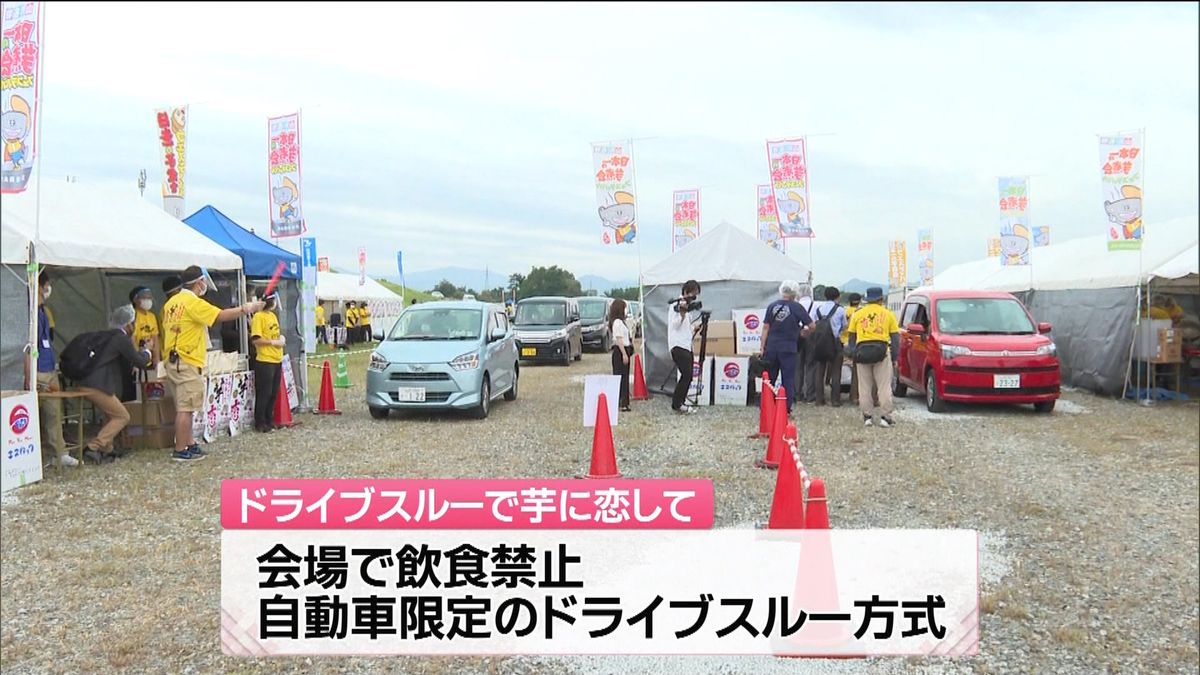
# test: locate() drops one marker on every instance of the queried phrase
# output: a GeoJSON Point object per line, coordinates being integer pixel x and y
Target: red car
{"type": "Point", "coordinates": [975, 347]}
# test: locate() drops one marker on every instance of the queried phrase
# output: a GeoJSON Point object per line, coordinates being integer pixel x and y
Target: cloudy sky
{"type": "Point", "coordinates": [460, 133]}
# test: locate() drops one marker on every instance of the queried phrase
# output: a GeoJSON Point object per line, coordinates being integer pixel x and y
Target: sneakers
{"type": "Point", "coordinates": [868, 421]}
{"type": "Point", "coordinates": [67, 460]}
{"type": "Point", "coordinates": [195, 449]}
{"type": "Point", "coordinates": [97, 457]}
{"type": "Point", "coordinates": [186, 455]}
{"type": "Point", "coordinates": [684, 410]}
{"type": "Point", "coordinates": [886, 421]}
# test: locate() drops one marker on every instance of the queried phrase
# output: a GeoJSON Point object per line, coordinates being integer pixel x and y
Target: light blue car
{"type": "Point", "coordinates": [457, 355]}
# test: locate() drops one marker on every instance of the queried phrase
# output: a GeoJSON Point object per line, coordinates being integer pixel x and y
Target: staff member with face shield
{"type": "Point", "coordinates": [186, 320]}
{"type": "Point", "coordinates": [268, 345]}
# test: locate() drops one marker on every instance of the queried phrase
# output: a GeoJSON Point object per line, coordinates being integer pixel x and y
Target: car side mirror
{"type": "Point", "coordinates": [498, 334]}
{"type": "Point", "coordinates": [1044, 327]}
{"type": "Point", "coordinates": [915, 329]}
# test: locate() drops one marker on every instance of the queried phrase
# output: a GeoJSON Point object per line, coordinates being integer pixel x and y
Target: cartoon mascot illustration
{"type": "Point", "coordinates": [620, 217]}
{"type": "Point", "coordinates": [1014, 244]}
{"type": "Point", "coordinates": [1126, 212]}
{"type": "Point", "coordinates": [285, 196]}
{"type": "Point", "coordinates": [792, 211]}
{"type": "Point", "coordinates": [14, 124]}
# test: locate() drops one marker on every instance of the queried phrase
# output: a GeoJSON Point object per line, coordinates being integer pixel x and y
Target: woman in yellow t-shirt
{"type": "Point", "coordinates": [322, 337]}
{"type": "Point", "coordinates": [351, 323]}
{"type": "Point", "coordinates": [145, 324]}
{"type": "Point", "coordinates": [268, 345]}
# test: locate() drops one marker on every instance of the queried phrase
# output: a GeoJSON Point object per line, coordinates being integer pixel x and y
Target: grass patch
{"type": "Point", "coordinates": [1071, 636]}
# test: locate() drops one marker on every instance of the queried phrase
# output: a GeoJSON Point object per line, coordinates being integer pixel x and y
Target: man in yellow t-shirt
{"type": "Point", "coordinates": [875, 343]}
{"type": "Point", "coordinates": [186, 320]}
{"type": "Point", "coordinates": [145, 323]}
{"type": "Point", "coordinates": [322, 336]}
{"type": "Point", "coordinates": [351, 323]}
{"type": "Point", "coordinates": [268, 344]}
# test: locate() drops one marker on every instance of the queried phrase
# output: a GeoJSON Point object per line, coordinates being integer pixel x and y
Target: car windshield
{"type": "Point", "coordinates": [540, 314]}
{"type": "Point", "coordinates": [437, 324]}
{"type": "Point", "coordinates": [592, 310]}
{"type": "Point", "coordinates": [983, 316]}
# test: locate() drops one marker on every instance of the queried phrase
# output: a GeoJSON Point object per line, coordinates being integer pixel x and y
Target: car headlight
{"type": "Point", "coordinates": [560, 334]}
{"type": "Point", "coordinates": [951, 351]}
{"type": "Point", "coordinates": [377, 362]}
{"type": "Point", "coordinates": [466, 361]}
{"type": "Point", "coordinates": [1047, 350]}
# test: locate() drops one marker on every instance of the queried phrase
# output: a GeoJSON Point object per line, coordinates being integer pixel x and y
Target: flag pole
{"type": "Point", "coordinates": [31, 269]}
{"type": "Point", "coordinates": [638, 236]}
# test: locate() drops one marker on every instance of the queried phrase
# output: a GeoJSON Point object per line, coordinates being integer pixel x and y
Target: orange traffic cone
{"type": "Point", "coordinates": [640, 393]}
{"type": "Point", "coordinates": [776, 441]}
{"type": "Point", "coordinates": [327, 406]}
{"type": "Point", "coordinates": [604, 456]}
{"type": "Point", "coordinates": [283, 410]}
{"type": "Point", "coordinates": [766, 409]}
{"type": "Point", "coordinates": [787, 506]}
{"type": "Point", "coordinates": [816, 516]}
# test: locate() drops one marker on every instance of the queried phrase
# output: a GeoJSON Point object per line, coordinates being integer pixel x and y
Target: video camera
{"type": "Point", "coordinates": [691, 304]}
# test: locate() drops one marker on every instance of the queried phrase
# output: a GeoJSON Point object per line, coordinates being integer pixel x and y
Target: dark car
{"type": "Point", "coordinates": [548, 330]}
{"type": "Point", "coordinates": [593, 317]}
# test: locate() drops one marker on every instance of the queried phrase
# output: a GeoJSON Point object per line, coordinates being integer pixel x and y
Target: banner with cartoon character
{"type": "Point", "coordinates": [768, 220]}
{"type": "Point", "coordinates": [283, 166]}
{"type": "Point", "coordinates": [1121, 158]}
{"type": "Point", "coordinates": [993, 247]}
{"type": "Point", "coordinates": [897, 264]}
{"type": "Point", "coordinates": [172, 137]}
{"type": "Point", "coordinates": [323, 264]}
{"type": "Point", "coordinates": [925, 255]}
{"type": "Point", "coordinates": [788, 164]}
{"type": "Point", "coordinates": [685, 218]}
{"type": "Point", "coordinates": [20, 62]}
{"type": "Point", "coordinates": [1041, 236]}
{"type": "Point", "coordinates": [616, 197]}
{"type": "Point", "coordinates": [1015, 236]}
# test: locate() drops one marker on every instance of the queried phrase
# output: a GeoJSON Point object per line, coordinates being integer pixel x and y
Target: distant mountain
{"type": "Point", "coordinates": [598, 283]}
{"type": "Point", "coordinates": [860, 286]}
{"type": "Point", "coordinates": [459, 276]}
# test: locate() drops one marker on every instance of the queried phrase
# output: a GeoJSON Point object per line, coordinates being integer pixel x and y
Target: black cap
{"type": "Point", "coordinates": [136, 292]}
{"type": "Point", "coordinates": [191, 275]}
{"type": "Point", "coordinates": [172, 284]}
{"type": "Point", "coordinates": [855, 298]}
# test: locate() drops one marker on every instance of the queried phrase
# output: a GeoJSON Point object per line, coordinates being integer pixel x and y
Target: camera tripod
{"type": "Point", "coordinates": [702, 332]}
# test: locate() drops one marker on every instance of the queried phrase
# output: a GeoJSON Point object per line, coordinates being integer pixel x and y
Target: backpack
{"type": "Point", "coordinates": [822, 341]}
{"type": "Point", "coordinates": [82, 354]}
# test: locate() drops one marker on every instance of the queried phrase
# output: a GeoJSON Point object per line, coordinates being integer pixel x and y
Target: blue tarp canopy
{"type": "Point", "coordinates": [259, 256]}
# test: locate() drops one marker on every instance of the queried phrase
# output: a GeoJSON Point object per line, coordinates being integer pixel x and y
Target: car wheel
{"type": "Point", "coordinates": [1044, 406]}
{"type": "Point", "coordinates": [511, 394]}
{"type": "Point", "coordinates": [379, 413]}
{"type": "Point", "coordinates": [485, 400]}
{"type": "Point", "coordinates": [932, 401]}
{"type": "Point", "coordinates": [899, 389]}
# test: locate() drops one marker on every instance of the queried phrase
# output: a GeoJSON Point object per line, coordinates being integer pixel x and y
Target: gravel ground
{"type": "Point", "coordinates": [1089, 516]}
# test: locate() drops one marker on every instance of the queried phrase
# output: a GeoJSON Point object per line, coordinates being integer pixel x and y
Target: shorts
{"type": "Point", "coordinates": [186, 385]}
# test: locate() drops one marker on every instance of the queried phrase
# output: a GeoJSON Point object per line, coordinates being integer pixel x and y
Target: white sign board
{"type": "Point", "coordinates": [593, 386]}
{"type": "Point", "coordinates": [747, 327]}
{"type": "Point", "coordinates": [21, 461]}
{"type": "Point", "coordinates": [700, 375]}
{"type": "Point", "coordinates": [732, 379]}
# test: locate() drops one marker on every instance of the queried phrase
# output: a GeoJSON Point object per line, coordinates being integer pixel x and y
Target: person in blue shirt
{"type": "Point", "coordinates": [784, 322]}
{"type": "Point", "coordinates": [828, 371]}
{"type": "Point", "coordinates": [50, 412]}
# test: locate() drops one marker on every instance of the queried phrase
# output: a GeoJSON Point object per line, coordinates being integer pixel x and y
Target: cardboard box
{"type": "Point", "coordinates": [1170, 346]}
{"type": "Point", "coordinates": [1152, 338]}
{"type": "Point", "coordinates": [150, 437]}
{"type": "Point", "coordinates": [158, 413]}
{"type": "Point", "coordinates": [137, 413]}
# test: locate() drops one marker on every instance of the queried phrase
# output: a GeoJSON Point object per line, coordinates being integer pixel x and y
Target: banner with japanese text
{"type": "Point", "coordinates": [897, 264]}
{"type": "Point", "coordinates": [1015, 236]}
{"type": "Point", "coordinates": [20, 89]}
{"type": "Point", "coordinates": [362, 266]}
{"type": "Point", "coordinates": [788, 164]}
{"type": "Point", "coordinates": [1041, 236]}
{"type": "Point", "coordinates": [925, 255]}
{"type": "Point", "coordinates": [283, 163]}
{"type": "Point", "coordinates": [993, 247]}
{"type": "Point", "coordinates": [616, 197]}
{"type": "Point", "coordinates": [1121, 158]}
{"type": "Point", "coordinates": [172, 137]}
{"type": "Point", "coordinates": [685, 218]}
{"type": "Point", "coordinates": [768, 220]}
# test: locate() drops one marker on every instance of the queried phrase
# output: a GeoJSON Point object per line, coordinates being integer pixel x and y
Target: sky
{"type": "Point", "coordinates": [460, 133]}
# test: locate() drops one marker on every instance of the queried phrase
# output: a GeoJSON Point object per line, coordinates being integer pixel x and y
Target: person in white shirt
{"type": "Point", "coordinates": [622, 348]}
{"type": "Point", "coordinates": [804, 391]}
{"type": "Point", "coordinates": [827, 370]}
{"type": "Point", "coordinates": [679, 340]}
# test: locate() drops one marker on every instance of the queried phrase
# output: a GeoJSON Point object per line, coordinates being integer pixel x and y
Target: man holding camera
{"type": "Point", "coordinates": [784, 323]}
{"type": "Point", "coordinates": [679, 340]}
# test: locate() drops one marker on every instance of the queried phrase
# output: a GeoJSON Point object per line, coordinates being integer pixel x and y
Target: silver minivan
{"type": "Point", "coordinates": [458, 355]}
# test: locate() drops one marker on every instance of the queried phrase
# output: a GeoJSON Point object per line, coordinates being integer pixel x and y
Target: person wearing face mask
{"type": "Point", "coordinates": [50, 411]}
{"type": "Point", "coordinates": [186, 320]}
{"type": "Point", "coordinates": [101, 385]}
{"type": "Point", "coordinates": [145, 324]}
{"type": "Point", "coordinates": [268, 343]}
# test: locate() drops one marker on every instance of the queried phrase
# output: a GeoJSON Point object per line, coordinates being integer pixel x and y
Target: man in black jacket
{"type": "Point", "coordinates": [101, 385]}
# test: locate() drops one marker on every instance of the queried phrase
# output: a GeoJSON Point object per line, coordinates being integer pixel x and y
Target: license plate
{"type": "Point", "coordinates": [529, 351]}
{"type": "Point", "coordinates": [411, 394]}
{"type": "Point", "coordinates": [1007, 382]}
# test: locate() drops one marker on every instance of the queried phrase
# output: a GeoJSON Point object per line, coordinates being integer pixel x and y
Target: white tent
{"type": "Point", "coordinates": [735, 271]}
{"type": "Point", "coordinates": [103, 242]}
{"type": "Point", "coordinates": [1088, 293]}
{"type": "Point", "coordinates": [340, 288]}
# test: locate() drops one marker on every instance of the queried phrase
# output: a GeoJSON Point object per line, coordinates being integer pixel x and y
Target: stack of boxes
{"type": "Point", "coordinates": [152, 419]}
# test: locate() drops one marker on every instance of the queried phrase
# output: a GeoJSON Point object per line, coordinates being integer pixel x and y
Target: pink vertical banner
{"type": "Point", "coordinates": [787, 163]}
{"type": "Point", "coordinates": [685, 217]}
{"type": "Point", "coordinates": [283, 176]}
{"type": "Point", "coordinates": [20, 91]}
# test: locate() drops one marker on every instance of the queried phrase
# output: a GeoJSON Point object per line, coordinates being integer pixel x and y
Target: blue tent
{"type": "Point", "coordinates": [259, 256]}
